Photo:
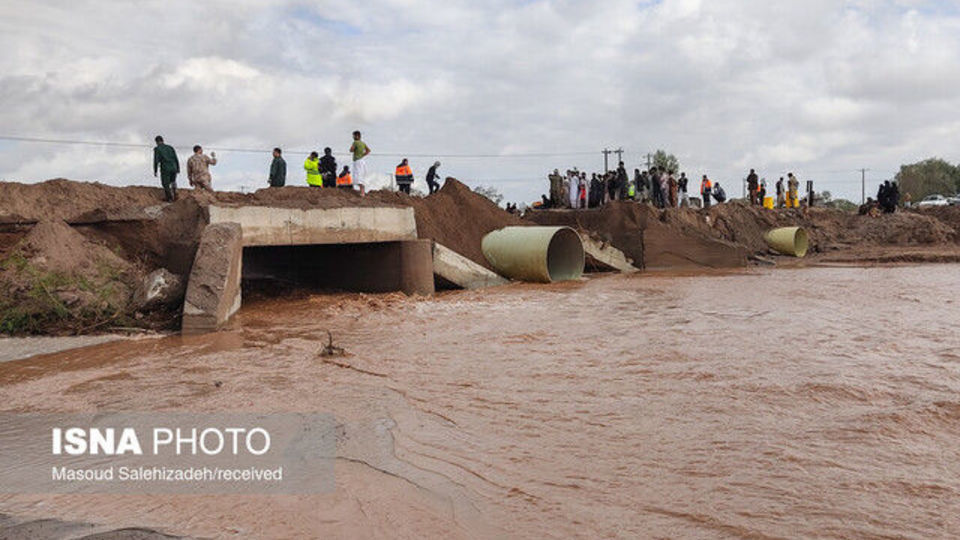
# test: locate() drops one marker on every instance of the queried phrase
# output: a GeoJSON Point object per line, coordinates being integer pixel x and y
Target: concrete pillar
{"type": "Point", "coordinates": [416, 267]}
{"type": "Point", "coordinates": [213, 290]}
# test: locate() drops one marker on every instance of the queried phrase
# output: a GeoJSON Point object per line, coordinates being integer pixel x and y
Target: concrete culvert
{"type": "Point", "coordinates": [537, 254]}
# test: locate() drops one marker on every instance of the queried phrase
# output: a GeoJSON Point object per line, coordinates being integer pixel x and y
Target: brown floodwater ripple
{"type": "Point", "coordinates": [816, 402]}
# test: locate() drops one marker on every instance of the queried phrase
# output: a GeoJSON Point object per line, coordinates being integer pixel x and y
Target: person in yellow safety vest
{"type": "Point", "coordinates": [706, 188]}
{"type": "Point", "coordinates": [404, 176]}
{"type": "Point", "coordinates": [312, 166]}
{"type": "Point", "coordinates": [345, 180]}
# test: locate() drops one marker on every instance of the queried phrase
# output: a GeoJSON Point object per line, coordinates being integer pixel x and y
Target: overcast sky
{"type": "Point", "coordinates": [819, 87]}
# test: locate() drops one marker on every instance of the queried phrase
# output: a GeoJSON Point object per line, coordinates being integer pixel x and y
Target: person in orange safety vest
{"type": "Point", "coordinates": [345, 180]}
{"type": "Point", "coordinates": [404, 176]}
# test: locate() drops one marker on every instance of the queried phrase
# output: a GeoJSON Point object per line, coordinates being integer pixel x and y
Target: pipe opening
{"type": "Point", "coordinates": [800, 242]}
{"type": "Point", "coordinates": [565, 256]}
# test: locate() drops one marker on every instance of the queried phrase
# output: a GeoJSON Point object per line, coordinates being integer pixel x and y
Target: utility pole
{"type": "Point", "coordinates": [649, 160]}
{"type": "Point", "coordinates": [619, 153]}
{"type": "Point", "coordinates": [863, 186]}
{"type": "Point", "coordinates": [606, 157]}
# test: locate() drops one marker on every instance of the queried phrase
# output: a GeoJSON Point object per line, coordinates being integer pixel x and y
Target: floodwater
{"type": "Point", "coordinates": [817, 402]}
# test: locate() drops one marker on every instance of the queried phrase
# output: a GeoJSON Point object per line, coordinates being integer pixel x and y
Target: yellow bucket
{"type": "Point", "coordinates": [768, 203]}
{"type": "Point", "coordinates": [788, 241]}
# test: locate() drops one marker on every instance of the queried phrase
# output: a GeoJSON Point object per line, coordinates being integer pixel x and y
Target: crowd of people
{"type": "Point", "coordinates": [320, 171]}
{"type": "Point", "coordinates": [658, 186]}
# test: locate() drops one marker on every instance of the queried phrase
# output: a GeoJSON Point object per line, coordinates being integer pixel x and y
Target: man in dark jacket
{"type": "Point", "coordinates": [753, 187]}
{"type": "Point", "coordinates": [165, 158]}
{"type": "Point", "coordinates": [278, 169]}
{"type": "Point", "coordinates": [432, 183]}
{"type": "Point", "coordinates": [328, 168]}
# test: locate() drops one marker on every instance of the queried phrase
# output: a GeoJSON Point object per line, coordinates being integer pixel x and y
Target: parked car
{"type": "Point", "coordinates": [933, 200]}
{"type": "Point", "coordinates": [955, 200]}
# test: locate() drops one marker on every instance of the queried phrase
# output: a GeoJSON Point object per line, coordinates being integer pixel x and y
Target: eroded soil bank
{"type": "Point", "coordinates": [75, 257]}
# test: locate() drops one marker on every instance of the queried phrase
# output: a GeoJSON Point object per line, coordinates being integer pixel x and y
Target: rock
{"type": "Point", "coordinates": [161, 288]}
{"type": "Point", "coordinates": [69, 298]}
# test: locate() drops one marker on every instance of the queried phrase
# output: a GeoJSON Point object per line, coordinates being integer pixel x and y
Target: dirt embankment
{"type": "Point", "coordinates": [72, 254]}
{"type": "Point", "coordinates": [727, 234]}
{"type": "Point", "coordinates": [455, 216]}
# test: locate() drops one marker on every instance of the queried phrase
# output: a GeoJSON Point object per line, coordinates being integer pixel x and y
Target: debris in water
{"type": "Point", "coordinates": [330, 349]}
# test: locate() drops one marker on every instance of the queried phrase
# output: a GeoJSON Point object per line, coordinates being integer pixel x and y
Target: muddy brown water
{"type": "Point", "coordinates": [817, 402]}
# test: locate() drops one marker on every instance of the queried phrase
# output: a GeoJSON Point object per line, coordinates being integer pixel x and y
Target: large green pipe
{"type": "Point", "coordinates": [788, 241]}
{"type": "Point", "coordinates": [538, 254]}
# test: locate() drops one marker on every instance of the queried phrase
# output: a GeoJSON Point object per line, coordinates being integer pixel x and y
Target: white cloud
{"type": "Point", "coordinates": [817, 85]}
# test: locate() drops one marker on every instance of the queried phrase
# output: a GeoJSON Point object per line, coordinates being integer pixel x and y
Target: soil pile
{"type": "Point", "coordinates": [660, 239]}
{"type": "Point", "coordinates": [899, 229]}
{"type": "Point", "coordinates": [455, 216]}
{"type": "Point", "coordinates": [619, 224]}
{"type": "Point", "coordinates": [948, 215]}
{"type": "Point", "coordinates": [56, 279]}
{"type": "Point", "coordinates": [71, 201]}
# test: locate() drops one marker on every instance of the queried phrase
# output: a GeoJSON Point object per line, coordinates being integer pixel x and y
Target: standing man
{"type": "Point", "coordinates": [328, 168]}
{"type": "Point", "coordinates": [404, 176]}
{"type": "Point", "coordinates": [278, 169]}
{"type": "Point", "coordinates": [752, 186]}
{"type": "Point", "coordinates": [672, 188]}
{"type": "Point", "coordinates": [706, 187]}
{"type": "Point", "coordinates": [432, 183]}
{"type": "Point", "coordinates": [762, 193]}
{"type": "Point", "coordinates": [198, 169]}
{"type": "Point", "coordinates": [655, 185]}
{"type": "Point", "coordinates": [793, 190]}
{"type": "Point", "coordinates": [682, 186]}
{"type": "Point", "coordinates": [622, 180]}
{"type": "Point", "coordinates": [360, 150]}
{"type": "Point", "coordinates": [780, 194]}
{"type": "Point", "coordinates": [165, 157]}
{"type": "Point", "coordinates": [312, 166]}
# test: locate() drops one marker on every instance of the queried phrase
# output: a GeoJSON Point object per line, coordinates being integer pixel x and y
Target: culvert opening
{"type": "Point", "coordinates": [565, 256]}
{"type": "Point", "coordinates": [365, 267]}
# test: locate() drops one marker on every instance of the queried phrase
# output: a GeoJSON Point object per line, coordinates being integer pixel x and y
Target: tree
{"type": "Point", "coordinates": [491, 193]}
{"type": "Point", "coordinates": [666, 161]}
{"type": "Point", "coordinates": [929, 177]}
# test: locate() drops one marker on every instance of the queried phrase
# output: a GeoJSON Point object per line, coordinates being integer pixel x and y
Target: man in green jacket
{"type": "Point", "coordinates": [165, 157]}
{"type": "Point", "coordinates": [278, 169]}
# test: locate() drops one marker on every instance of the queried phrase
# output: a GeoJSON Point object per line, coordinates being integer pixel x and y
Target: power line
{"type": "Point", "coordinates": [114, 144]}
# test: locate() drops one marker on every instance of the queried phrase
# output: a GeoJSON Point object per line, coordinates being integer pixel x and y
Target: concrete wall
{"type": "Point", "coordinates": [213, 290]}
{"type": "Point", "coordinates": [405, 266]}
{"type": "Point", "coordinates": [270, 226]}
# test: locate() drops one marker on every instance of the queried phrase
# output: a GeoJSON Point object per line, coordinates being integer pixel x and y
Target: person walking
{"type": "Point", "coordinates": [278, 169]}
{"type": "Point", "coordinates": [198, 169]}
{"type": "Point", "coordinates": [328, 168]}
{"type": "Point", "coordinates": [432, 185]}
{"type": "Point", "coordinates": [753, 184]}
{"type": "Point", "coordinates": [312, 166]}
{"type": "Point", "coordinates": [165, 158]}
{"type": "Point", "coordinates": [360, 150]}
{"type": "Point", "coordinates": [404, 176]}
{"type": "Point", "coordinates": [780, 194]}
{"type": "Point", "coordinates": [706, 187]}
